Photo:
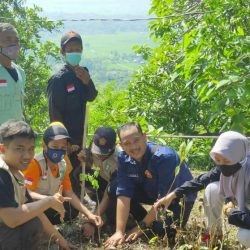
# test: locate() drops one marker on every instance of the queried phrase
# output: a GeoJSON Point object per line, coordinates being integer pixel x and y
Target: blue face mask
{"type": "Point", "coordinates": [55, 155]}
{"type": "Point", "coordinates": [73, 58]}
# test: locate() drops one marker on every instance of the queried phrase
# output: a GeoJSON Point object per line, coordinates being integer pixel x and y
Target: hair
{"type": "Point", "coordinates": [127, 126]}
{"type": "Point", "coordinates": [13, 129]}
{"type": "Point", "coordinates": [7, 26]}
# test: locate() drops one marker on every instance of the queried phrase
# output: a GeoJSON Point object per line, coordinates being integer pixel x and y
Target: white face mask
{"type": "Point", "coordinates": [12, 51]}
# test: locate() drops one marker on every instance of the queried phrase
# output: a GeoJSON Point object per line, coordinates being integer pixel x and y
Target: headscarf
{"type": "Point", "coordinates": [234, 147]}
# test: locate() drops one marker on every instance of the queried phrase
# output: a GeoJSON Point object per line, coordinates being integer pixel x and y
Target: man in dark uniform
{"type": "Point", "coordinates": [146, 172]}
{"type": "Point", "coordinates": [68, 91]}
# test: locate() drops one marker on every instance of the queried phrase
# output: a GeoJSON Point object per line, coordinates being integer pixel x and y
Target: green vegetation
{"type": "Point", "coordinates": [195, 80]}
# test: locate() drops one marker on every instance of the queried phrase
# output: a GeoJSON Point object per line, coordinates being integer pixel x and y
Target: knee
{"type": "Point", "coordinates": [212, 192]}
{"type": "Point", "coordinates": [244, 237]}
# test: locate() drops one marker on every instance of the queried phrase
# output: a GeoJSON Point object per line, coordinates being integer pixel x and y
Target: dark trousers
{"type": "Point", "coordinates": [136, 209]}
{"type": "Point", "coordinates": [75, 173]}
{"type": "Point", "coordinates": [70, 214]}
{"type": "Point", "coordinates": [24, 237]}
{"type": "Point", "coordinates": [179, 217]}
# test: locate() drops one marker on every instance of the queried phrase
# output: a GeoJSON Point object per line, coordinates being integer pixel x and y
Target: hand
{"type": "Point", "coordinates": [95, 219]}
{"type": "Point", "coordinates": [227, 207]}
{"type": "Point", "coordinates": [165, 201]}
{"type": "Point", "coordinates": [82, 74]}
{"type": "Point", "coordinates": [133, 234]}
{"type": "Point", "coordinates": [116, 239]}
{"type": "Point", "coordinates": [57, 202]}
{"type": "Point", "coordinates": [64, 244]}
{"type": "Point", "coordinates": [88, 230]}
{"type": "Point", "coordinates": [74, 148]}
{"type": "Point", "coordinates": [82, 156]}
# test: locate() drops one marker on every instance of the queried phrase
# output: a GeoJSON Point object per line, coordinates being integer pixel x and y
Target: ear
{"type": "Point", "coordinates": [145, 136]}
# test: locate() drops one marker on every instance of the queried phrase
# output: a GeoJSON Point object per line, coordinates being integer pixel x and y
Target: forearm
{"type": "Point", "coordinates": [92, 92]}
{"type": "Point", "coordinates": [122, 213]}
{"type": "Point", "coordinates": [198, 183]}
{"type": "Point", "coordinates": [239, 218]}
{"type": "Point", "coordinates": [14, 217]}
{"type": "Point", "coordinates": [76, 203]}
{"type": "Point", "coordinates": [37, 196]}
{"type": "Point", "coordinates": [150, 217]}
{"type": "Point", "coordinates": [49, 229]}
{"type": "Point", "coordinates": [53, 233]}
{"type": "Point", "coordinates": [103, 205]}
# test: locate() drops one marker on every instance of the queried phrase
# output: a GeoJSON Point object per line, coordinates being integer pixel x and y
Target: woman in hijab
{"type": "Point", "coordinates": [232, 157]}
{"type": "Point", "coordinates": [227, 188]}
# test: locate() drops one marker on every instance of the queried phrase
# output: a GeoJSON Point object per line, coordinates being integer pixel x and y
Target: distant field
{"type": "Point", "coordinates": [110, 56]}
{"type": "Point", "coordinates": [103, 45]}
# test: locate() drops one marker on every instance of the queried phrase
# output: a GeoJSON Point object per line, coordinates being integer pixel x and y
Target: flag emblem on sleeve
{"type": "Point", "coordinates": [3, 83]}
{"type": "Point", "coordinates": [28, 181]}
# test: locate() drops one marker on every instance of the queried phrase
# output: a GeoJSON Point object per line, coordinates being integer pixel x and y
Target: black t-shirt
{"type": "Point", "coordinates": [7, 195]}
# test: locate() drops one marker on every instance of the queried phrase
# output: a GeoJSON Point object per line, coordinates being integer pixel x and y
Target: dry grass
{"type": "Point", "coordinates": [188, 239]}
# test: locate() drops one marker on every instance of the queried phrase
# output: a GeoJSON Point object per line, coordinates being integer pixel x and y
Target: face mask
{"type": "Point", "coordinates": [73, 58]}
{"type": "Point", "coordinates": [228, 170]}
{"type": "Point", "coordinates": [11, 51]}
{"type": "Point", "coordinates": [55, 155]}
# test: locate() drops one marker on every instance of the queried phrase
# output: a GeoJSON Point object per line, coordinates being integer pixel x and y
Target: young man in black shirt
{"type": "Point", "coordinates": [68, 91]}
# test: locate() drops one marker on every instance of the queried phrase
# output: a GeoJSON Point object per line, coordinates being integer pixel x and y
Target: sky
{"type": "Point", "coordinates": [95, 8]}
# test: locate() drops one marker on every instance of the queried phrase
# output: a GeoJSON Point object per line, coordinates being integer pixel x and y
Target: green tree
{"type": "Point", "coordinates": [197, 79]}
{"type": "Point", "coordinates": [34, 57]}
{"type": "Point", "coordinates": [111, 108]}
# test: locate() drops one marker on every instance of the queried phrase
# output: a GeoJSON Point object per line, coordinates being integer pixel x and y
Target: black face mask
{"type": "Point", "coordinates": [228, 170]}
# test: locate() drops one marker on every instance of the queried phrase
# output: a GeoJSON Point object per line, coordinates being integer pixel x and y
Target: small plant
{"type": "Point", "coordinates": [94, 182]}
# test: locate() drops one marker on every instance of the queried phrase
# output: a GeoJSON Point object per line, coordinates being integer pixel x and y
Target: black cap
{"type": "Point", "coordinates": [70, 36]}
{"type": "Point", "coordinates": [104, 141]}
{"type": "Point", "coordinates": [56, 132]}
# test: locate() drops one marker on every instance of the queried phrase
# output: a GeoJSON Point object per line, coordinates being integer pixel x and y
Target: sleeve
{"type": "Point", "coordinates": [32, 175]}
{"type": "Point", "coordinates": [198, 183]}
{"type": "Point", "coordinates": [239, 218]}
{"type": "Point", "coordinates": [166, 172]}
{"type": "Point", "coordinates": [125, 184]}
{"type": "Point", "coordinates": [92, 92]}
{"type": "Point", "coordinates": [7, 196]}
{"type": "Point", "coordinates": [56, 98]}
{"type": "Point", "coordinates": [66, 180]}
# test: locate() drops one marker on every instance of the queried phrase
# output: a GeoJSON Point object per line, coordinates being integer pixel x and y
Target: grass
{"type": "Point", "coordinates": [188, 239]}
{"type": "Point", "coordinates": [101, 45]}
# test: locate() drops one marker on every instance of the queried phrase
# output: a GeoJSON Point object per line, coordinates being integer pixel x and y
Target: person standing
{"type": "Point", "coordinates": [69, 90]}
{"type": "Point", "coordinates": [12, 77]}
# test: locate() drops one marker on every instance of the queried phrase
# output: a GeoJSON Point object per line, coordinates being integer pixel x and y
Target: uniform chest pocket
{"type": "Point", "coordinates": [43, 186]}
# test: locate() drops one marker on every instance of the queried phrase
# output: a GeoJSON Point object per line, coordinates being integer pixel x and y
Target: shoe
{"type": "Point", "coordinates": [206, 238]}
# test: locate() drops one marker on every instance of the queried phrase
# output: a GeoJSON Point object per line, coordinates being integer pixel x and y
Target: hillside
{"type": "Point", "coordinates": [108, 45]}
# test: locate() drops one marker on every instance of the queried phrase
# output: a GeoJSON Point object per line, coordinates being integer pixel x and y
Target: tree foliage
{"type": "Point", "coordinates": [197, 79]}
{"type": "Point", "coordinates": [34, 57]}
